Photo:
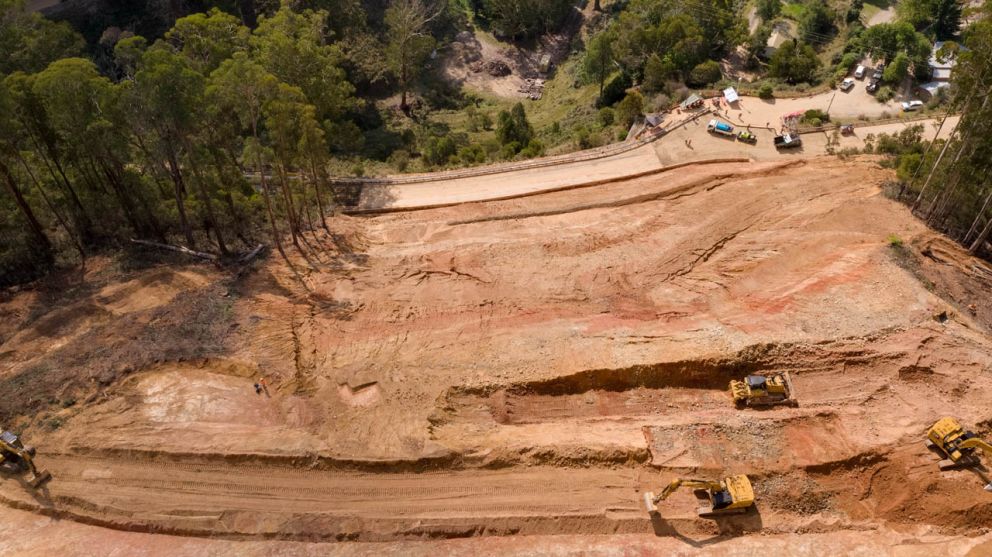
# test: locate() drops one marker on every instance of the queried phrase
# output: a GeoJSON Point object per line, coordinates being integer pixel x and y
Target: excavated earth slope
{"type": "Point", "coordinates": [511, 372]}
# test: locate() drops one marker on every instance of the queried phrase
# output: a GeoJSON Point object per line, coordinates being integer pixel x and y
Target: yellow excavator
{"type": "Point", "coordinates": [762, 390]}
{"type": "Point", "coordinates": [734, 495]}
{"type": "Point", "coordinates": [958, 446]}
{"type": "Point", "coordinates": [16, 457]}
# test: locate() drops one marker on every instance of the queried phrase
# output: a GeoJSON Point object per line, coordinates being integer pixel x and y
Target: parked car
{"type": "Point", "coordinates": [877, 74]}
{"type": "Point", "coordinates": [859, 72]}
{"type": "Point", "coordinates": [872, 86]}
{"type": "Point", "coordinates": [722, 128]}
{"type": "Point", "coordinates": [847, 84]}
{"type": "Point", "coordinates": [909, 106]}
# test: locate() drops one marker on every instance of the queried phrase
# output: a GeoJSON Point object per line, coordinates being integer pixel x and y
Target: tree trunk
{"type": "Point", "coordinates": [981, 239]}
{"type": "Point", "coordinates": [265, 194]}
{"type": "Point", "coordinates": [82, 220]}
{"type": "Point", "coordinates": [53, 209]}
{"type": "Point", "coordinates": [180, 192]}
{"type": "Point", "coordinates": [403, 75]}
{"type": "Point", "coordinates": [208, 203]}
{"type": "Point", "coordinates": [36, 229]}
{"type": "Point", "coordinates": [978, 217]}
{"type": "Point", "coordinates": [228, 200]}
{"type": "Point", "coordinates": [294, 225]}
{"type": "Point", "coordinates": [317, 180]}
{"type": "Point", "coordinates": [123, 198]}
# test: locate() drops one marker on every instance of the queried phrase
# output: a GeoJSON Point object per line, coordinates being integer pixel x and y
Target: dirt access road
{"type": "Point", "coordinates": [515, 374]}
{"type": "Point", "coordinates": [668, 151]}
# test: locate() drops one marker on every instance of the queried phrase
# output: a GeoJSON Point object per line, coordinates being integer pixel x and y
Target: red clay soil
{"type": "Point", "coordinates": [517, 373]}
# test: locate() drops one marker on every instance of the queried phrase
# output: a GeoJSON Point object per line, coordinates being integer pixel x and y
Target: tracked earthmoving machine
{"type": "Point", "coordinates": [16, 457]}
{"type": "Point", "coordinates": [958, 446]}
{"type": "Point", "coordinates": [733, 495]}
{"type": "Point", "coordinates": [761, 390]}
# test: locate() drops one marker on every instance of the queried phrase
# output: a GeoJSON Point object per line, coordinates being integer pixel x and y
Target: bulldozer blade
{"type": "Point", "coordinates": [649, 502]}
{"type": "Point", "coordinates": [41, 479]}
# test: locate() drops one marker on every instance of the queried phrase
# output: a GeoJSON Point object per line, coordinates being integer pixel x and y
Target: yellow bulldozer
{"type": "Point", "coordinates": [764, 390]}
{"type": "Point", "coordinates": [958, 447]}
{"type": "Point", "coordinates": [734, 495]}
{"type": "Point", "coordinates": [15, 457]}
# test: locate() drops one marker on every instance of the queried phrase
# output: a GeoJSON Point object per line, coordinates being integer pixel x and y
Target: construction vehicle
{"type": "Point", "coordinates": [761, 390]}
{"type": "Point", "coordinates": [718, 127]}
{"type": "Point", "coordinates": [733, 495]}
{"type": "Point", "coordinates": [787, 140]}
{"type": "Point", "coordinates": [747, 137]}
{"type": "Point", "coordinates": [950, 440]}
{"type": "Point", "coordinates": [15, 457]}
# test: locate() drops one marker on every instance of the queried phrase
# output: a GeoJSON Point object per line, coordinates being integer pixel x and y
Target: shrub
{"type": "Point", "coordinates": [513, 127]}
{"type": "Point", "coordinates": [705, 73]}
{"type": "Point", "coordinates": [656, 71]}
{"type": "Point", "coordinates": [438, 150]}
{"type": "Point", "coordinates": [894, 240]}
{"type": "Point", "coordinates": [533, 149]}
{"type": "Point", "coordinates": [400, 159]}
{"type": "Point", "coordinates": [815, 114]}
{"type": "Point", "coordinates": [629, 109]}
{"type": "Point", "coordinates": [766, 92]}
{"type": "Point", "coordinates": [606, 116]}
{"type": "Point", "coordinates": [884, 94]}
{"type": "Point", "coordinates": [661, 102]}
{"type": "Point", "coordinates": [615, 90]}
{"type": "Point", "coordinates": [472, 154]}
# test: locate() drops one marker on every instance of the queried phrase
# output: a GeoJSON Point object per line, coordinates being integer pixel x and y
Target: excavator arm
{"type": "Point", "coordinates": [651, 500]}
{"type": "Point", "coordinates": [37, 478]}
{"type": "Point", "coordinates": [976, 443]}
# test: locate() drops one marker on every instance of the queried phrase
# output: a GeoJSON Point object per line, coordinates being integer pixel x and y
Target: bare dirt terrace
{"type": "Point", "coordinates": [509, 377]}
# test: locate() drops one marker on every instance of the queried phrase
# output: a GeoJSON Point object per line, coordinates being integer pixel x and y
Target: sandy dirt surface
{"type": "Point", "coordinates": [509, 377]}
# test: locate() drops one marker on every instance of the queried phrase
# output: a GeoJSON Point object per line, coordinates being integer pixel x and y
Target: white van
{"type": "Point", "coordinates": [859, 72]}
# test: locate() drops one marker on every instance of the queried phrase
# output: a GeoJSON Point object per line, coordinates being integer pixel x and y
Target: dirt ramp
{"type": "Point", "coordinates": [746, 443]}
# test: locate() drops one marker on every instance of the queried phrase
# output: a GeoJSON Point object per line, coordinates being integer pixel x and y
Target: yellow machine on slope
{"type": "Point", "coordinates": [952, 441]}
{"type": "Point", "coordinates": [761, 390]}
{"type": "Point", "coordinates": [733, 495]}
{"type": "Point", "coordinates": [16, 457]}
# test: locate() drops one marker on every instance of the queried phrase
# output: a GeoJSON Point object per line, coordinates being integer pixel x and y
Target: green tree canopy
{"type": "Point", "coordinates": [794, 62]}
{"type": "Point", "coordinates": [29, 42]}
{"type": "Point", "coordinates": [939, 18]}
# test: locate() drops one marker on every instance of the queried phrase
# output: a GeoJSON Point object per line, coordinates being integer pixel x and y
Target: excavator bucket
{"type": "Point", "coordinates": [40, 479]}
{"type": "Point", "coordinates": [649, 502]}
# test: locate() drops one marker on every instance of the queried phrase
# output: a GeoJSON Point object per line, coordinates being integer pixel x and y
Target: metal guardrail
{"type": "Point", "coordinates": [579, 156]}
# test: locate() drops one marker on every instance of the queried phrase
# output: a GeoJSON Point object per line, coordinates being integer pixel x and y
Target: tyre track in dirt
{"type": "Point", "coordinates": [199, 499]}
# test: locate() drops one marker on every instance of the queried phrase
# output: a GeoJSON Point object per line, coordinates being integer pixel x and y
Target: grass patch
{"type": "Point", "coordinates": [868, 12]}
{"type": "Point", "coordinates": [793, 10]}
{"type": "Point", "coordinates": [880, 4]}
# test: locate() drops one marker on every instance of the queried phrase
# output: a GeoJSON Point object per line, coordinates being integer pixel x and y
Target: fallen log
{"type": "Point", "coordinates": [179, 249]}
{"type": "Point", "coordinates": [251, 254]}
